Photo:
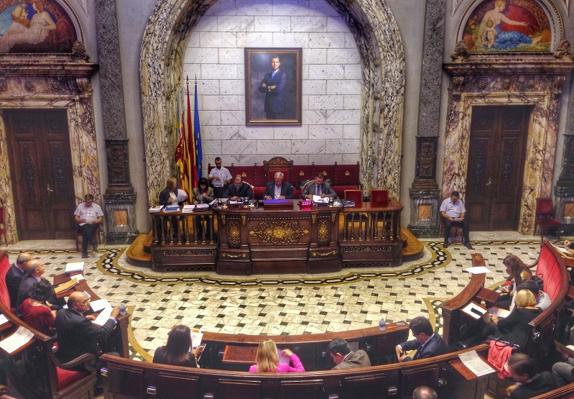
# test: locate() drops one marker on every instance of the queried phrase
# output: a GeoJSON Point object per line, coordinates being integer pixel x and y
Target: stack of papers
{"type": "Point", "coordinates": [17, 340]}
{"type": "Point", "coordinates": [320, 200]}
{"type": "Point", "coordinates": [74, 267]}
{"type": "Point", "coordinates": [99, 305]}
{"type": "Point", "coordinates": [103, 316]}
{"type": "Point", "coordinates": [202, 206]}
{"type": "Point", "coordinates": [155, 209]}
{"type": "Point", "coordinates": [474, 363]}
{"type": "Point", "coordinates": [65, 286]}
{"type": "Point", "coordinates": [78, 277]}
{"type": "Point", "coordinates": [3, 319]}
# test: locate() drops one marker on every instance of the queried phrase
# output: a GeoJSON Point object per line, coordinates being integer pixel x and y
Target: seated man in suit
{"type": "Point", "coordinates": [278, 189]}
{"type": "Point", "coordinates": [77, 334]}
{"type": "Point", "coordinates": [88, 216]}
{"type": "Point", "coordinates": [344, 358]}
{"type": "Point", "coordinates": [427, 343]}
{"type": "Point", "coordinates": [34, 270]}
{"type": "Point", "coordinates": [452, 210]}
{"type": "Point", "coordinates": [318, 187]}
{"type": "Point", "coordinates": [15, 275]}
{"type": "Point", "coordinates": [239, 189]}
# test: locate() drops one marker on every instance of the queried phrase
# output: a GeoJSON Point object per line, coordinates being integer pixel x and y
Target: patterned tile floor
{"type": "Point", "coordinates": [294, 304]}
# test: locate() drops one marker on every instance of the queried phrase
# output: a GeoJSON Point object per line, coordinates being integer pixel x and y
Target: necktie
{"type": "Point", "coordinates": [318, 189]}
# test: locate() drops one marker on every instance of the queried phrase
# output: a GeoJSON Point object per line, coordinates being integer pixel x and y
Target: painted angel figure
{"type": "Point", "coordinates": [31, 24]}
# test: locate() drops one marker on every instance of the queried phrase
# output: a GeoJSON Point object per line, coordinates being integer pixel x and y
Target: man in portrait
{"type": "Point", "coordinates": [273, 85]}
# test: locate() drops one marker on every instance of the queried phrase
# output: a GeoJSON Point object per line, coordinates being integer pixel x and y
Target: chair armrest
{"type": "Point", "coordinates": [86, 358]}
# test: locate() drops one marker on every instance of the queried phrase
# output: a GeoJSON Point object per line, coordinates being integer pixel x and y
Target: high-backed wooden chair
{"type": "Point", "coordinates": [278, 164]}
{"type": "Point", "coordinates": [545, 220]}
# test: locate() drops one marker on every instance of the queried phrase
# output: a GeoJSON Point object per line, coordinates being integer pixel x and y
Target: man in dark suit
{"type": "Point", "coordinates": [318, 187]}
{"type": "Point", "coordinates": [239, 189]}
{"type": "Point", "coordinates": [278, 188]}
{"type": "Point", "coordinates": [77, 334]}
{"type": "Point", "coordinates": [344, 358]}
{"type": "Point", "coordinates": [427, 343]}
{"type": "Point", "coordinates": [273, 85]}
{"type": "Point", "coordinates": [15, 275]}
{"type": "Point", "coordinates": [34, 270]}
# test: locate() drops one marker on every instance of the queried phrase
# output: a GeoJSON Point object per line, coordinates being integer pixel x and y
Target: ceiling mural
{"type": "Point", "coordinates": [508, 26]}
{"type": "Point", "coordinates": [35, 26]}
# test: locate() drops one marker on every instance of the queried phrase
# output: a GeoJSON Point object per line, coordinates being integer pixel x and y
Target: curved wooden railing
{"type": "Point", "coordinates": [132, 379]}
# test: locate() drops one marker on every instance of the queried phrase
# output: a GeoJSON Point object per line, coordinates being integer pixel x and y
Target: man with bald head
{"type": "Point", "coordinates": [76, 332]}
{"type": "Point", "coordinates": [424, 392]}
{"type": "Point", "coordinates": [34, 270]}
{"type": "Point", "coordinates": [278, 188]}
{"type": "Point", "coordinates": [15, 275]}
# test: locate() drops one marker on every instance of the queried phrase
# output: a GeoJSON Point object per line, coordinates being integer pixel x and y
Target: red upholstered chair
{"type": "Point", "coordinates": [4, 267]}
{"type": "Point", "coordinates": [545, 219]}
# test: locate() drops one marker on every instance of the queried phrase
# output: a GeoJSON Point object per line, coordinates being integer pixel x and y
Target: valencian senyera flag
{"type": "Point", "coordinates": [188, 153]}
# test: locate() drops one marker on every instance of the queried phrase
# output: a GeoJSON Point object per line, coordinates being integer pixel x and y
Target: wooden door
{"type": "Point", "coordinates": [496, 166]}
{"type": "Point", "coordinates": [41, 168]}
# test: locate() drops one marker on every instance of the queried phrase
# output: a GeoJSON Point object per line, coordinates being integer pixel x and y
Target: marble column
{"type": "Point", "coordinates": [424, 192]}
{"type": "Point", "coordinates": [119, 199]}
{"type": "Point", "coordinates": [564, 189]}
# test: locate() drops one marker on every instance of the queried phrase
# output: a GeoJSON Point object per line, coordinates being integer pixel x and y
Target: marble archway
{"type": "Point", "coordinates": [380, 45]}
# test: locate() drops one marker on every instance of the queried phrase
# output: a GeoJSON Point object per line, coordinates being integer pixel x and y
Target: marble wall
{"type": "Point", "coordinates": [74, 95]}
{"type": "Point", "coordinates": [332, 74]}
{"type": "Point", "coordinates": [535, 81]}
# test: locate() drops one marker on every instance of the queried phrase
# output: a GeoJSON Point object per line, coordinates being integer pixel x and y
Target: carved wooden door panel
{"type": "Point", "coordinates": [41, 168]}
{"type": "Point", "coordinates": [496, 166]}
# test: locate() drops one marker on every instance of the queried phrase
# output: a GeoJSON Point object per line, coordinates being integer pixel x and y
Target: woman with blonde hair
{"type": "Point", "coordinates": [515, 328]}
{"type": "Point", "coordinates": [268, 360]}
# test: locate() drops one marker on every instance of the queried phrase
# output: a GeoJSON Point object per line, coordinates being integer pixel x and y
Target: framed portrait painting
{"type": "Point", "coordinates": [273, 86]}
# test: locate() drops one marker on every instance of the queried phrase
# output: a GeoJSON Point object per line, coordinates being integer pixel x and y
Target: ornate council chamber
{"type": "Point", "coordinates": [254, 240]}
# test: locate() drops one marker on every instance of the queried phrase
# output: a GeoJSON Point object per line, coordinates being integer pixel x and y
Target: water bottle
{"type": "Point", "coordinates": [382, 325]}
{"type": "Point", "coordinates": [123, 309]}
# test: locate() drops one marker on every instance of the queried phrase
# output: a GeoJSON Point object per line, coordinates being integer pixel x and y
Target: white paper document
{"type": "Point", "coordinates": [77, 277]}
{"type": "Point", "coordinates": [502, 313]}
{"type": "Point", "coordinates": [17, 340]}
{"type": "Point", "coordinates": [477, 270]}
{"type": "Point", "coordinates": [473, 310]}
{"type": "Point", "coordinates": [74, 267]}
{"type": "Point", "coordinates": [202, 206]}
{"type": "Point", "coordinates": [187, 208]}
{"type": "Point", "coordinates": [99, 305]}
{"type": "Point", "coordinates": [474, 363]}
{"type": "Point", "coordinates": [103, 316]}
{"type": "Point", "coordinates": [3, 319]}
{"type": "Point", "coordinates": [319, 199]}
{"type": "Point", "coordinates": [196, 337]}
{"type": "Point", "coordinates": [155, 209]}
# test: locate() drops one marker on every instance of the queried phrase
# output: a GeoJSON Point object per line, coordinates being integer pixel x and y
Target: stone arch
{"type": "Point", "coordinates": [383, 57]}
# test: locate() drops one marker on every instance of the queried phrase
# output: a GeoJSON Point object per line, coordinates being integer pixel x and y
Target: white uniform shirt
{"type": "Point", "coordinates": [220, 176]}
{"type": "Point", "coordinates": [451, 209]}
{"type": "Point", "coordinates": [89, 214]}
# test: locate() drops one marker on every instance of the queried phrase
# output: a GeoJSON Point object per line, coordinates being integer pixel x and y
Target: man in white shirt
{"type": "Point", "coordinates": [219, 178]}
{"type": "Point", "coordinates": [88, 215]}
{"type": "Point", "coordinates": [452, 210]}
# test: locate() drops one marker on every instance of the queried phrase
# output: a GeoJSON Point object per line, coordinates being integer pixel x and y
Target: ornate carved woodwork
{"type": "Point", "coordinates": [279, 241]}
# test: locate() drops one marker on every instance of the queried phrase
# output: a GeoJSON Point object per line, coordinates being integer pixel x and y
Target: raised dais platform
{"type": "Point", "coordinates": [288, 239]}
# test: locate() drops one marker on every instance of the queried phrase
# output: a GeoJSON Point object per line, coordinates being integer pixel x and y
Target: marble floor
{"type": "Point", "coordinates": [272, 305]}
